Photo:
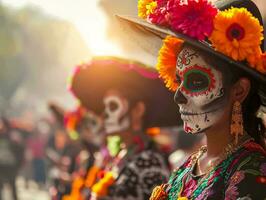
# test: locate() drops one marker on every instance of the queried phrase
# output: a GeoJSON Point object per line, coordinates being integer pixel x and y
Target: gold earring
{"type": "Point", "coordinates": [237, 121]}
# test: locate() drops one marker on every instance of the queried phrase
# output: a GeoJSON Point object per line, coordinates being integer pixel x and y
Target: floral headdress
{"type": "Point", "coordinates": [72, 119]}
{"type": "Point", "coordinates": [234, 32]}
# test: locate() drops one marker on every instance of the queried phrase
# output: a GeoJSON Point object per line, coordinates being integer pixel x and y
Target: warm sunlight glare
{"type": "Point", "coordinates": [86, 15]}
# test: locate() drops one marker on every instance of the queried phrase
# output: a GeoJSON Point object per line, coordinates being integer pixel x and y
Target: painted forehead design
{"type": "Point", "coordinates": [185, 58]}
{"type": "Point", "coordinates": [198, 77]}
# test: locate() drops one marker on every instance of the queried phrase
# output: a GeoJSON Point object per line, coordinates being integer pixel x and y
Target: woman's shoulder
{"type": "Point", "coordinates": [250, 156]}
{"type": "Point", "coordinates": [251, 152]}
{"type": "Point", "coordinates": [254, 147]}
{"type": "Point", "coordinates": [248, 175]}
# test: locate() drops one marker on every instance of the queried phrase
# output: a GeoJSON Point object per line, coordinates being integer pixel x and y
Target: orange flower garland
{"type": "Point", "coordinates": [261, 66]}
{"type": "Point", "coordinates": [167, 58]}
{"type": "Point", "coordinates": [91, 176]}
{"type": "Point", "coordinates": [258, 61]}
{"type": "Point", "coordinates": [100, 189]}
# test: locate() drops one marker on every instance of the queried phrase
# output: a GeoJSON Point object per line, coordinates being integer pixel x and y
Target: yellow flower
{"type": "Point", "coordinates": [166, 64]}
{"type": "Point", "coordinates": [146, 7]}
{"type": "Point", "coordinates": [158, 193]}
{"type": "Point", "coordinates": [101, 187]}
{"type": "Point", "coordinates": [237, 33]}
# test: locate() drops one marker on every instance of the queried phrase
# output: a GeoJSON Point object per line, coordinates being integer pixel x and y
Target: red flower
{"type": "Point", "coordinates": [160, 14]}
{"type": "Point", "coordinates": [194, 18]}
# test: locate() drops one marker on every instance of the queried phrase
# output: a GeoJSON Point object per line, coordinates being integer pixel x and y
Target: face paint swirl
{"type": "Point", "coordinates": [202, 91]}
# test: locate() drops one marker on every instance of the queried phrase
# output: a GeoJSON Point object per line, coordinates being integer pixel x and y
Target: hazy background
{"type": "Point", "coordinates": [42, 40]}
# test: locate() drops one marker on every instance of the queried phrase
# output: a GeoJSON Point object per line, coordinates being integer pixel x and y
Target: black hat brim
{"type": "Point", "coordinates": [141, 26]}
{"type": "Point", "coordinates": [91, 83]}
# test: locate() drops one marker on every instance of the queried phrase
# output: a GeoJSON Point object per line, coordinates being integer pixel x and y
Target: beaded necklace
{"type": "Point", "coordinates": [161, 192]}
{"type": "Point", "coordinates": [228, 150]}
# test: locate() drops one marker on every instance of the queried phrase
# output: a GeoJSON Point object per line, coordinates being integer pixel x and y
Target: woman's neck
{"type": "Point", "coordinates": [218, 138]}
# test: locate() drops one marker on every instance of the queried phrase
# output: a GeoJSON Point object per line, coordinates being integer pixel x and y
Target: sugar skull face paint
{"type": "Point", "coordinates": [116, 109]}
{"type": "Point", "coordinates": [200, 96]}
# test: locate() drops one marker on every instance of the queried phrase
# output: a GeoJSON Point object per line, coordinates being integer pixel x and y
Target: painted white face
{"type": "Point", "coordinates": [115, 111]}
{"type": "Point", "coordinates": [200, 96]}
{"type": "Point", "coordinates": [93, 122]}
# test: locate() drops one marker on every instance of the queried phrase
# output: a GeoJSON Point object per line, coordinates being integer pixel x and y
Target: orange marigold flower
{"type": "Point", "coordinates": [258, 61]}
{"type": "Point", "coordinates": [166, 64]}
{"type": "Point", "coordinates": [262, 66]}
{"type": "Point", "coordinates": [146, 7]}
{"type": "Point", "coordinates": [237, 33]}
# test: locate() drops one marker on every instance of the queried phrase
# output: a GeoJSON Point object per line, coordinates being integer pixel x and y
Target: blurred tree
{"type": "Point", "coordinates": [10, 48]}
{"type": "Point", "coordinates": [37, 52]}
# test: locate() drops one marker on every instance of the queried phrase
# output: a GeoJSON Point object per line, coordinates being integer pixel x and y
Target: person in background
{"type": "Point", "coordinates": [36, 144]}
{"type": "Point", "coordinates": [11, 157]}
{"type": "Point", "coordinates": [127, 93]}
{"type": "Point", "coordinates": [86, 127]}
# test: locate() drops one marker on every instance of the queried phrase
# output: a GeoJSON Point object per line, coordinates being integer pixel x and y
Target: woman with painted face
{"type": "Point", "coordinates": [212, 58]}
{"type": "Point", "coordinates": [84, 127]}
{"type": "Point", "coordinates": [131, 98]}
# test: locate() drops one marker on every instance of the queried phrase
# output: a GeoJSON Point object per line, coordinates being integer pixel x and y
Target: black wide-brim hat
{"type": "Point", "coordinates": [134, 80]}
{"type": "Point", "coordinates": [142, 28]}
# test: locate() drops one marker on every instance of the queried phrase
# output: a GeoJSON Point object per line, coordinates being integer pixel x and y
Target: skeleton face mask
{"type": "Point", "coordinates": [92, 126]}
{"type": "Point", "coordinates": [93, 122]}
{"type": "Point", "coordinates": [116, 109]}
{"type": "Point", "coordinates": [200, 96]}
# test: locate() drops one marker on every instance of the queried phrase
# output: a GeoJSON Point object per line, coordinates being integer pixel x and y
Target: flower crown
{"type": "Point", "coordinates": [71, 120]}
{"type": "Point", "coordinates": [234, 32]}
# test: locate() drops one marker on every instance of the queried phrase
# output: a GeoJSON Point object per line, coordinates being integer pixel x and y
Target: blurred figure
{"type": "Point", "coordinates": [36, 146]}
{"type": "Point", "coordinates": [90, 139]}
{"type": "Point", "coordinates": [87, 126]}
{"type": "Point", "coordinates": [11, 157]}
{"type": "Point", "coordinates": [57, 153]}
{"type": "Point", "coordinates": [123, 90]}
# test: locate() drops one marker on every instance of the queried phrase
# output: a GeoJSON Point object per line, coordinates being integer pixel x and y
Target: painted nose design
{"type": "Point", "coordinates": [179, 97]}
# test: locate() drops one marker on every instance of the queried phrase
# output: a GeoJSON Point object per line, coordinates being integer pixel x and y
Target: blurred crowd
{"type": "Point", "coordinates": [58, 149]}
{"type": "Point", "coordinates": [59, 152]}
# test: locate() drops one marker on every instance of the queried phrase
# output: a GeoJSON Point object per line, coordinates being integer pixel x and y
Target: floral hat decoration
{"type": "Point", "coordinates": [229, 29]}
{"type": "Point", "coordinates": [72, 120]}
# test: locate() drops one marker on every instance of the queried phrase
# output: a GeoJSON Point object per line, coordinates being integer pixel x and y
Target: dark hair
{"type": "Point", "coordinates": [252, 124]}
{"type": "Point", "coordinates": [231, 74]}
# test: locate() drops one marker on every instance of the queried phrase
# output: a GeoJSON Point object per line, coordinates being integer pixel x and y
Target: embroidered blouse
{"type": "Point", "coordinates": [241, 176]}
{"type": "Point", "coordinates": [137, 179]}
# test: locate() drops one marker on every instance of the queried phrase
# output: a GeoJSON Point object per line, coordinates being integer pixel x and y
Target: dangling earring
{"type": "Point", "coordinates": [237, 121]}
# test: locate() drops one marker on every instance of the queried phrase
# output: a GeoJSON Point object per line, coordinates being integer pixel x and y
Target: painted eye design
{"type": "Point", "coordinates": [198, 80]}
